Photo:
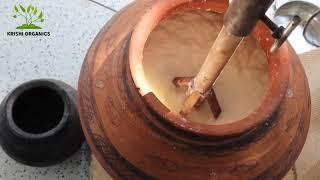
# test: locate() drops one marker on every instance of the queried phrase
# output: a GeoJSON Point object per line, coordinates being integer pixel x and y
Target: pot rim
{"type": "Point", "coordinates": [278, 65]}
{"type": "Point", "coordinates": [40, 83]}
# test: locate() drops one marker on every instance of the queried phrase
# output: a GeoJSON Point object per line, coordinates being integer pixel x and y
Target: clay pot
{"type": "Point", "coordinates": [39, 123]}
{"type": "Point", "coordinates": [134, 136]}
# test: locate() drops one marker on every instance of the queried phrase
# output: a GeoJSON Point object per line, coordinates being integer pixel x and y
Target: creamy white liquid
{"type": "Point", "coordinates": [178, 46]}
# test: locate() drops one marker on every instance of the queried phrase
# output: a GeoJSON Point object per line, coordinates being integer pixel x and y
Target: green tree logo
{"type": "Point", "coordinates": [30, 14]}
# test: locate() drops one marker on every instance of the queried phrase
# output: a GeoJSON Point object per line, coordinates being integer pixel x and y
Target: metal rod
{"type": "Point", "coordinates": [286, 32]}
{"type": "Point", "coordinates": [102, 5]}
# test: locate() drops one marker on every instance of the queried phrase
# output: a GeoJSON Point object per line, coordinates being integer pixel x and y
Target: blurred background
{"type": "Point", "coordinates": [307, 36]}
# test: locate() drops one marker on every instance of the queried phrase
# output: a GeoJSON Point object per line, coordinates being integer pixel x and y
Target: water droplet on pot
{"type": "Point", "coordinates": [289, 93]}
{"type": "Point", "coordinates": [100, 84]}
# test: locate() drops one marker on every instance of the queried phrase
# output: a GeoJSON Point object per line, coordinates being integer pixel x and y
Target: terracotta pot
{"type": "Point", "coordinates": [134, 136]}
{"type": "Point", "coordinates": [39, 123]}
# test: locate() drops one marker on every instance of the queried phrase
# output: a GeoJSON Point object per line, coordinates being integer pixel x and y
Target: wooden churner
{"type": "Point", "coordinates": [239, 21]}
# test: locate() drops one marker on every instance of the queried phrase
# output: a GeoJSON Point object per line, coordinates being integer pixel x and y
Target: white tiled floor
{"type": "Point", "coordinates": [73, 26]}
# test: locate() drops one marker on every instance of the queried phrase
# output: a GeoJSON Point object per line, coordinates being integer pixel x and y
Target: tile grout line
{"type": "Point", "coordinates": [102, 5]}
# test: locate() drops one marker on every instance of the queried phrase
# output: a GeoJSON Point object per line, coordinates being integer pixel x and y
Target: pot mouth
{"type": "Point", "coordinates": [37, 109]}
{"type": "Point", "coordinates": [278, 67]}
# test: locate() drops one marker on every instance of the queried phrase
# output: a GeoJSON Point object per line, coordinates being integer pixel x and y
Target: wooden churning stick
{"type": "Point", "coordinates": [240, 19]}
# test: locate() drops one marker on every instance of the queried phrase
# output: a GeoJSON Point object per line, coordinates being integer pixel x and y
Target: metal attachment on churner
{"type": "Point", "coordinates": [280, 33]}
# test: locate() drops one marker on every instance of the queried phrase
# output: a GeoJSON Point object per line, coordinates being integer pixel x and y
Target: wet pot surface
{"type": "Point", "coordinates": [129, 114]}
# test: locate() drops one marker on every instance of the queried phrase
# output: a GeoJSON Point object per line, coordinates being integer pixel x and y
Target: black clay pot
{"type": "Point", "coordinates": [39, 123]}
